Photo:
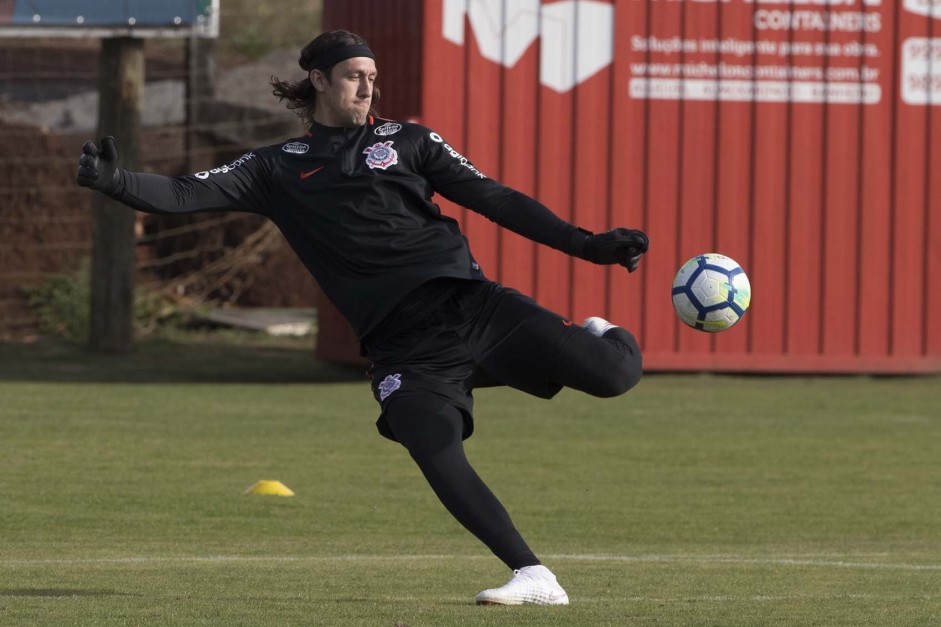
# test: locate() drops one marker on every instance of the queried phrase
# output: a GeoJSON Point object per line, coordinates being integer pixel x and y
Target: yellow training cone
{"type": "Point", "coordinates": [270, 488]}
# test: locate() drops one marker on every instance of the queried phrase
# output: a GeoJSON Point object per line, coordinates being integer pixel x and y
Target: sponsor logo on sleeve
{"type": "Point", "coordinates": [389, 385]}
{"type": "Point", "coordinates": [225, 169]}
{"type": "Point", "coordinates": [381, 155]}
{"type": "Point", "coordinates": [457, 156]}
{"type": "Point", "coordinates": [389, 128]}
{"type": "Point", "coordinates": [295, 148]}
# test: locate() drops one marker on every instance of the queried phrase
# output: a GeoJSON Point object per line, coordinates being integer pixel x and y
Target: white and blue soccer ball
{"type": "Point", "coordinates": [711, 292]}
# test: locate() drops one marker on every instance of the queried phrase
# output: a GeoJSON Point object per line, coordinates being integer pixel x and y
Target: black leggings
{"type": "Point", "coordinates": [431, 428]}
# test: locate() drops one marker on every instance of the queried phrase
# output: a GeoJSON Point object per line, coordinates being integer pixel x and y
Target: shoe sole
{"type": "Point", "coordinates": [489, 603]}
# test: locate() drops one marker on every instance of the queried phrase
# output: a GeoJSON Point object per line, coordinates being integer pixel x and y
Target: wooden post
{"type": "Point", "coordinates": [120, 90]}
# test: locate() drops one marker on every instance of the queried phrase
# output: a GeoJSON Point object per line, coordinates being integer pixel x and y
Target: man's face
{"type": "Point", "coordinates": [346, 98]}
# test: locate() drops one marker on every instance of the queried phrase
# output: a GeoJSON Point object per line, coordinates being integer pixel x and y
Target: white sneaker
{"type": "Point", "coordinates": [531, 584]}
{"type": "Point", "coordinates": [598, 326]}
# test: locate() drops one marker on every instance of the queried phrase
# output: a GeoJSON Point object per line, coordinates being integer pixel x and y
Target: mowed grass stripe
{"type": "Point", "coordinates": [689, 559]}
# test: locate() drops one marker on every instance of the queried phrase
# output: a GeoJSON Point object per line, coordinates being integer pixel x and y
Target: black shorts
{"type": "Point", "coordinates": [482, 335]}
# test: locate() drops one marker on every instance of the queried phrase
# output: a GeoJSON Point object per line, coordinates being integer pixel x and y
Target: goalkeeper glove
{"type": "Point", "coordinates": [619, 246]}
{"type": "Point", "coordinates": [98, 167]}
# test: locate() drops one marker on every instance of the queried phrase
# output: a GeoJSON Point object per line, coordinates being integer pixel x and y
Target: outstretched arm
{"type": "Point", "coordinates": [533, 220]}
{"type": "Point", "coordinates": [455, 178]}
{"type": "Point", "coordinates": [240, 186]}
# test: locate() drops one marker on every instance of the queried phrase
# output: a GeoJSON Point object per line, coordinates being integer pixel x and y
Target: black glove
{"type": "Point", "coordinates": [98, 168]}
{"type": "Point", "coordinates": [618, 246]}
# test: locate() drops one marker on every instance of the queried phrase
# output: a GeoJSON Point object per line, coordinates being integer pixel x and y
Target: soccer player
{"type": "Point", "coordinates": [353, 197]}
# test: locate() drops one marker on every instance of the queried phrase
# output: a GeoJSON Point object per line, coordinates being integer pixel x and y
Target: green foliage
{"type": "Point", "coordinates": [155, 313]}
{"type": "Point", "coordinates": [61, 303]}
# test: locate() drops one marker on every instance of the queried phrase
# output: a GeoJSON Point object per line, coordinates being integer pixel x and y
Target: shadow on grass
{"type": "Point", "coordinates": [171, 362]}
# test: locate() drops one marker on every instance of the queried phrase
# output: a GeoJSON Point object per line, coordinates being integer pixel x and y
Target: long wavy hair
{"type": "Point", "coordinates": [301, 95]}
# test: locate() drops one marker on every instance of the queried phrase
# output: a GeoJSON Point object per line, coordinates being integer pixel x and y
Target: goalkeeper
{"type": "Point", "coordinates": [353, 197]}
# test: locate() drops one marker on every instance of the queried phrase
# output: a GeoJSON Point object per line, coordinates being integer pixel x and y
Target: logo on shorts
{"type": "Point", "coordinates": [297, 148]}
{"type": "Point", "coordinates": [389, 385]}
{"type": "Point", "coordinates": [389, 128]}
{"type": "Point", "coordinates": [381, 155]}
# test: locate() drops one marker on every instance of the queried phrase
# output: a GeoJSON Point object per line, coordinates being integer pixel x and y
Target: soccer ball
{"type": "Point", "coordinates": [711, 292]}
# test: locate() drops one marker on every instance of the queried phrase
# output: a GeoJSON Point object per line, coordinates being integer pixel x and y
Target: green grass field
{"type": "Point", "coordinates": [693, 500]}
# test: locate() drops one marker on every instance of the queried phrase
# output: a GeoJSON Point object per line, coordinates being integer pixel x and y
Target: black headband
{"type": "Point", "coordinates": [340, 53]}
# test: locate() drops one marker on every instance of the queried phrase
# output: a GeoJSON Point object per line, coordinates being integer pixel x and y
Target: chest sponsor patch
{"type": "Point", "coordinates": [389, 128]}
{"type": "Point", "coordinates": [381, 155]}
{"type": "Point", "coordinates": [295, 148]}
{"type": "Point", "coordinates": [389, 385]}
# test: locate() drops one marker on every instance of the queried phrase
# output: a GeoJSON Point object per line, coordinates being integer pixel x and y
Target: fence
{"type": "Point", "coordinates": [48, 109]}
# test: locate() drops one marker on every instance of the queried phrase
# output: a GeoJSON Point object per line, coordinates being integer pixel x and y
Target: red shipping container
{"type": "Point", "coordinates": [801, 139]}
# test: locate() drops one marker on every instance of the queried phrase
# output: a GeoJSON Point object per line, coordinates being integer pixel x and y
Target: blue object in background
{"type": "Point", "coordinates": [107, 13]}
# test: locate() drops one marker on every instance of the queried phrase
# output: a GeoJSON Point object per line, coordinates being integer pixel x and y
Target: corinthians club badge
{"type": "Point", "coordinates": [389, 385]}
{"type": "Point", "coordinates": [381, 155]}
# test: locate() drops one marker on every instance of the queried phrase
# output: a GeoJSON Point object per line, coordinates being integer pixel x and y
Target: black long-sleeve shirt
{"type": "Point", "coordinates": [355, 204]}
